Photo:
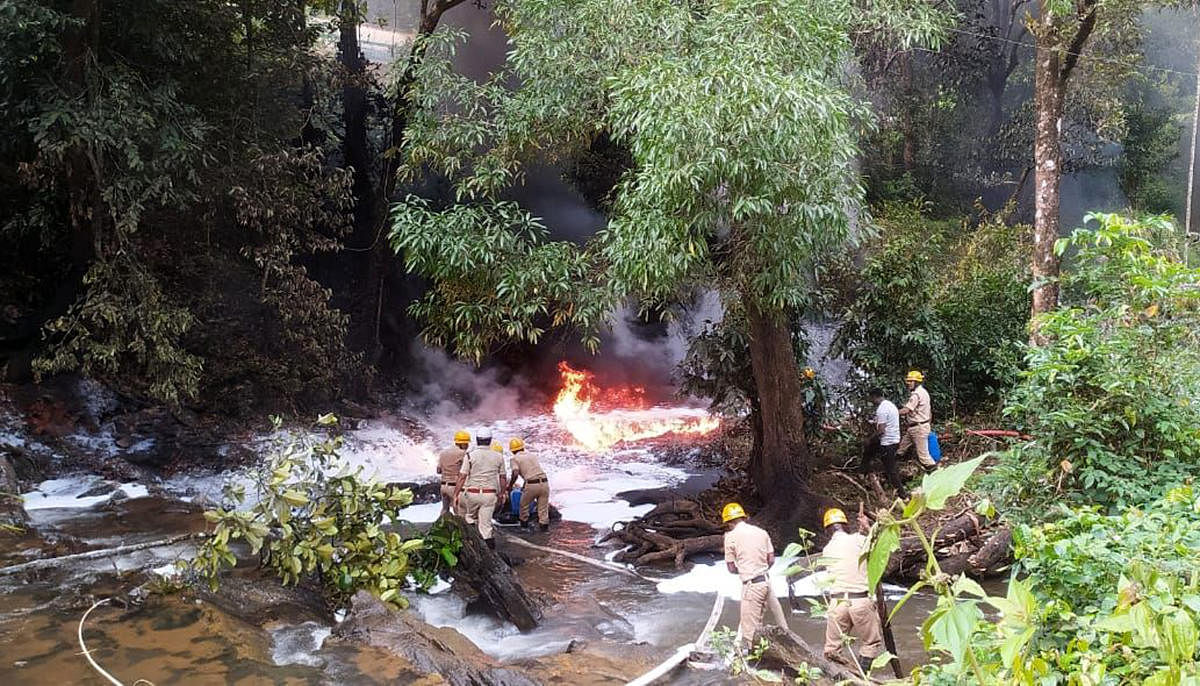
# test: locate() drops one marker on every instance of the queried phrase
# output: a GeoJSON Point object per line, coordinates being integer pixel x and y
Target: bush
{"type": "Point", "coordinates": [1110, 398]}
{"type": "Point", "coordinates": [1095, 599]}
{"type": "Point", "coordinates": [312, 517]}
{"type": "Point", "coordinates": [934, 296]}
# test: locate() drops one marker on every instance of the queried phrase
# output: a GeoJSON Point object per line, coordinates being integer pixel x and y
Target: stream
{"type": "Point", "coordinates": [172, 640]}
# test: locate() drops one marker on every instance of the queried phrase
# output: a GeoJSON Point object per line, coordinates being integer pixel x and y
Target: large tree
{"type": "Point", "coordinates": [1098, 37]}
{"type": "Point", "coordinates": [741, 127]}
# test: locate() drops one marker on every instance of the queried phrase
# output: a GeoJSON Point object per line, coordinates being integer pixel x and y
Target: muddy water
{"type": "Point", "coordinates": [170, 639]}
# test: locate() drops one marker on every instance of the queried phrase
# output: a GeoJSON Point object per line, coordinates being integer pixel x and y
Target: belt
{"type": "Point", "coordinates": [481, 490]}
{"type": "Point", "coordinates": [920, 423]}
{"type": "Point", "coordinates": [851, 595]}
{"type": "Point", "coordinates": [760, 579]}
{"type": "Point", "coordinates": [449, 483]}
{"type": "Point", "coordinates": [539, 480]}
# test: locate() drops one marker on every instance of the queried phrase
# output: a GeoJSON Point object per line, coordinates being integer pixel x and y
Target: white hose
{"type": "Point", "coordinates": [87, 653]}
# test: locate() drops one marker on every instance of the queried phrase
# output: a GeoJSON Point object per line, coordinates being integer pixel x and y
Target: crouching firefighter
{"type": "Point", "coordinates": [536, 488]}
{"type": "Point", "coordinates": [482, 477]}
{"type": "Point", "coordinates": [852, 610]}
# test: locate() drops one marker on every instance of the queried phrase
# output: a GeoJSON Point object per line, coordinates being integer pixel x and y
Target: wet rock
{"type": "Point", "coordinates": [11, 511]}
{"type": "Point", "coordinates": [428, 492]}
{"type": "Point", "coordinates": [428, 650]}
{"type": "Point", "coordinates": [258, 598]}
{"type": "Point", "coordinates": [489, 575]}
{"type": "Point", "coordinates": [102, 488]}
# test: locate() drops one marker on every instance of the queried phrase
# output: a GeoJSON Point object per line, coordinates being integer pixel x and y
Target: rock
{"type": "Point", "coordinates": [428, 649]}
{"type": "Point", "coordinates": [258, 598]}
{"type": "Point", "coordinates": [103, 488]}
{"type": "Point", "coordinates": [11, 510]}
{"type": "Point", "coordinates": [484, 570]}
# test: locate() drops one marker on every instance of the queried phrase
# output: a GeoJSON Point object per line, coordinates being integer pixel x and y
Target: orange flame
{"type": "Point", "coordinates": [621, 416]}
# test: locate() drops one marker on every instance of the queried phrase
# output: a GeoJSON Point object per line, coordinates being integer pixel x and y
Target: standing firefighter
{"type": "Point", "coordinates": [919, 414]}
{"type": "Point", "coordinates": [852, 611]}
{"type": "Point", "coordinates": [885, 437]}
{"type": "Point", "coordinates": [536, 488]}
{"type": "Point", "coordinates": [449, 465]}
{"type": "Point", "coordinates": [749, 554]}
{"type": "Point", "coordinates": [482, 477]}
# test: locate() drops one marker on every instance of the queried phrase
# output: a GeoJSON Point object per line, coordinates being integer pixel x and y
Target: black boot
{"type": "Point", "coordinates": [524, 523]}
{"type": "Point", "coordinates": [491, 543]}
{"type": "Point", "coordinates": [865, 663]}
{"type": "Point", "coordinates": [545, 528]}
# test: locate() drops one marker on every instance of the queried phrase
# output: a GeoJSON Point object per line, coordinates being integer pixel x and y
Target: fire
{"type": "Point", "coordinates": [599, 419]}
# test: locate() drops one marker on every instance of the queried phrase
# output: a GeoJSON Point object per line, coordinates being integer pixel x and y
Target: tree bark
{"type": "Point", "coordinates": [1047, 159]}
{"type": "Point", "coordinates": [780, 469]}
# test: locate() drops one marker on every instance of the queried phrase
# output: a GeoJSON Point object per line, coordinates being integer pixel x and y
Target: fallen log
{"type": "Point", "coordinates": [673, 531]}
{"type": "Point", "coordinates": [483, 569]}
{"type": "Point", "coordinates": [93, 554]}
{"type": "Point", "coordinates": [787, 651]}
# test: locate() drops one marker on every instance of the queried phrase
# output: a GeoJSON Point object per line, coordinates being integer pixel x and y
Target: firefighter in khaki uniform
{"type": "Point", "coordinates": [449, 465]}
{"type": "Point", "coordinates": [852, 611]}
{"type": "Point", "coordinates": [749, 554]}
{"type": "Point", "coordinates": [919, 414]}
{"type": "Point", "coordinates": [482, 477]}
{"type": "Point", "coordinates": [525, 464]}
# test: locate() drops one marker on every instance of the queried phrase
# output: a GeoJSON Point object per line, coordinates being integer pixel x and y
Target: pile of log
{"type": "Point", "coordinates": [966, 543]}
{"type": "Point", "coordinates": [673, 531]}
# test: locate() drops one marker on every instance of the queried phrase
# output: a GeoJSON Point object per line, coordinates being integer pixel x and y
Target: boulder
{"type": "Point", "coordinates": [12, 512]}
{"type": "Point", "coordinates": [428, 649]}
{"type": "Point", "coordinates": [256, 597]}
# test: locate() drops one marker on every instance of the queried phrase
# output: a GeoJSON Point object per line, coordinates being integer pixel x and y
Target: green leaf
{"type": "Point", "coordinates": [964, 584]}
{"type": "Point", "coordinates": [946, 483]}
{"type": "Point", "coordinates": [887, 542]}
{"type": "Point", "coordinates": [327, 419]}
{"type": "Point", "coordinates": [881, 660]}
{"type": "Point", "coordinates": [953, 629]}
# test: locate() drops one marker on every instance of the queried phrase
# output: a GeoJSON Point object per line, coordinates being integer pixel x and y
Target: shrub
{"type": "Point", "coordinates": [1095, 599]}
{"type": "Point", "coordinates": [312, 517]}
{"type": "Point", "coordinates": [1110, 398]}
{"type": "Point", "coordinates": [935, 296]}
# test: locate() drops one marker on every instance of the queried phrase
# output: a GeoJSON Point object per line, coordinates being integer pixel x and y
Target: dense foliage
{"type": "Point", "coordinates": [166, 182]}
{"type": "Point", "coordinates": [940, 296]}
{"type": "Point", "coordinates": [738, 193]}
{"type": "Point", "coordinates": [1111, 398]}
{"type": "Point", "coordinates": [310, 516]}
{"type": "Point", "coordinates": [1095, 599]}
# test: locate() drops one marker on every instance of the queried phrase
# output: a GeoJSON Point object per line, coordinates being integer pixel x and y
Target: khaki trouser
{"type": "Point", "coordinates": [539, 492]}
{"type": "Point", "coordinates": [754, 601]}
{"type": "Point", "coordinates": [478, 508]}
{"type": "Point", "coordinates": [447, 497]}
{"type": "Point", "coordinates": [857, 617]}
{"type": "Point", "coordinates": [917, 436]}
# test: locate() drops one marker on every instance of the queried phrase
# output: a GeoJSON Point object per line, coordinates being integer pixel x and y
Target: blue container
{"type": "Point", "coordinates": [935, 449]}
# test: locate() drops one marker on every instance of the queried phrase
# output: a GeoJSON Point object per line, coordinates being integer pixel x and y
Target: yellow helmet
{"type": "Point", "coordinates": [498, 448]}
{"type": "Point", "coordinates": [809, 373]}
{"type": "Point", "coordinates": [462, 436]}
{"type": "Point", "coordinates": [834, 516]}
{"type": "Point", "coordinates": [914, 375]}
{"type": "Point", "coordinates": [731, 512]}
{"type": "Point", "coordinates": [516, 444]}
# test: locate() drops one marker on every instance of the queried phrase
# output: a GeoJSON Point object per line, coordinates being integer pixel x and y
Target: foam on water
{"type": "Point", "coordinates": [66, 493]}
{"type": "Point", "coordinates": [298, 645]}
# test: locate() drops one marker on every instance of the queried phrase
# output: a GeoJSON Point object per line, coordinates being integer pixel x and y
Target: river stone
{"type": "Point", "coordinates": [427, 649]}
{"type": "Point", "coordinates": [258, 598]}
{"type": "Point", "coordinates": [11, 510]}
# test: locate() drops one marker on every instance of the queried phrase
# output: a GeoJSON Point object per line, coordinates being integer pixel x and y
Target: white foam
{"type": "Point", "coordinates": [296, 645]}
{"type": "Point", "coordinates": [64, 493]}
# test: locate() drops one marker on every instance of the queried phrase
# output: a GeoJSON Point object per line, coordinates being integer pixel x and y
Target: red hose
{"type": "Point", "coordinates": [1000, 433]}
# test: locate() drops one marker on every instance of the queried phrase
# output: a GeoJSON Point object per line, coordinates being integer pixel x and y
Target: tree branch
{"type": "Point", "coordinates": [1087, 9]}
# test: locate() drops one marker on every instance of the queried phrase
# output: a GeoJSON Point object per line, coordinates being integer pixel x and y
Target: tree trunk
{"type": "Point", "coordinates": [1047, 157]}
{"type": "Point", "coordinates": [779, 470]}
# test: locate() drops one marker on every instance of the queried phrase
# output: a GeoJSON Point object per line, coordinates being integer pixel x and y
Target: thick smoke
{"type": "Point", "coordinates": [446, 390]}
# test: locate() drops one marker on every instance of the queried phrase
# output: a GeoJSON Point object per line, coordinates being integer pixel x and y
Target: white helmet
{"type": "Point", "coordinates": [483, 435]}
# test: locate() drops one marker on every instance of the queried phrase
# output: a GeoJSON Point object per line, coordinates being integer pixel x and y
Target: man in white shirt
{"type": "Point", "coordinates": [884, 440]}
{"type": "Point", "coordinates": [852, 610]}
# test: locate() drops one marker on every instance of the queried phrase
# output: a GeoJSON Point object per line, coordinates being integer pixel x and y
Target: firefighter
{"type": "Point", "coordinates": [482, 477]}
{"type": "Point", "coordinates": [749, 554]}
{"type": "Point", "coordinates": [919, 414]}
{"type": "Point", "coordinates": [851, 611]}
{"type": "Point", "coordinates": [449, 465]}
{"type": "Point", "coordinates": [536, 487]}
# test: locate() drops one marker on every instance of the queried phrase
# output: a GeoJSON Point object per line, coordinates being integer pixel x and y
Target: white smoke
{"type": "Point", "coordinates": [447, 390]}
